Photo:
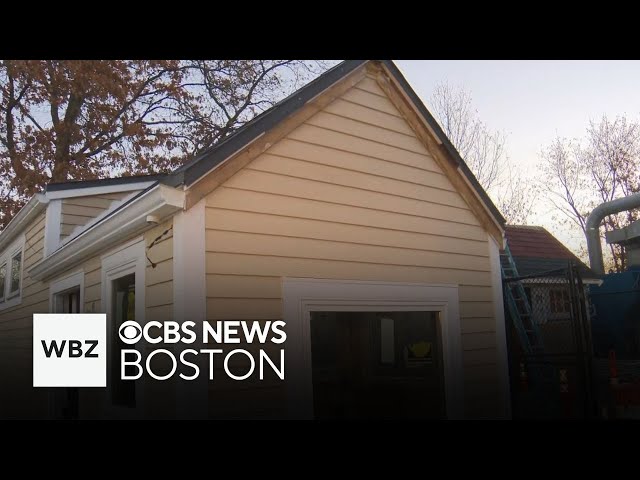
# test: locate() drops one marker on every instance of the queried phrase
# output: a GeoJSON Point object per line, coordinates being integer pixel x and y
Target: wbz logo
{"type": "Point", "coordinates": [75, 348]}
{"type": "Point", "coordinates": [69, 350]}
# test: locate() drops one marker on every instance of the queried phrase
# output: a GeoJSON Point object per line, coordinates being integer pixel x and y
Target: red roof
{"type": "Point", "coordinates": [535, 242]}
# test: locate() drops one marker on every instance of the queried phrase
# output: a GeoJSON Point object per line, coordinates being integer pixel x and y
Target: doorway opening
{"type": "Point", "coordinates": [68, 301]}
{"type": "Point", "coordinates": [123, 392]}
{"type": "Point", "coordinates": [386, 365]}
{"type": "Point", "coordinates": [66, 399]}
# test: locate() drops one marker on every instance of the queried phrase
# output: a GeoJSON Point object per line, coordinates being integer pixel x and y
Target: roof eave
{"type": "Point", "coordinates": [26, 214]}
{"type": "Point", "coordinates": [442, 138]}
{"type": "Point", "coordinates": [193, 171]}
{"type": "Point", "coordinates": [131, 219]}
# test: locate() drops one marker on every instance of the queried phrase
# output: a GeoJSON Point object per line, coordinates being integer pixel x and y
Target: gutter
{"type": "Point", "coordinates": [159, 201]}
{"type": "Point", "coordinates": [26, 214]}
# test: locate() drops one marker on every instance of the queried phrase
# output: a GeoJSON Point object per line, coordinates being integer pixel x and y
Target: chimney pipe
{"type": "Point", "coordinates": [593, 226]}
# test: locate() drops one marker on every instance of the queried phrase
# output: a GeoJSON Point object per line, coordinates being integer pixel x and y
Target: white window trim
{"type": "Point", "coordinates": [3, 263]}
{"type": "Point", "coordinates": [301, 296]}
{"type": "Point", "coordinates": [11, 300]}
{"type": "Point", "coordinates": [124, 261]}
{"type": "Point", "coordinates": [57, 286]}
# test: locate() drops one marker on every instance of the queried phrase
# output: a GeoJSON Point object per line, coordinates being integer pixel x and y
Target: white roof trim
{"type": "Point", "coordinates": [26, 214]}
{"type": "Point", "coordinates": [130, 220]}
{"type": "Point", "coordinates": [87, 191]}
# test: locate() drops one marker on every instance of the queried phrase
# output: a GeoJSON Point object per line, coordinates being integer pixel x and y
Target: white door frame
{"type": "Point", "coordinates": [128, 260]}
{"type": "Point", "coordinates": [56, 287]}
{"type": "Point", "coordinates": [301, 296]}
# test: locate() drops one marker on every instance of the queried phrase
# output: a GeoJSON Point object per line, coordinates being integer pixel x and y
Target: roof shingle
{"type": "Point", "coordinates": [535, 250]}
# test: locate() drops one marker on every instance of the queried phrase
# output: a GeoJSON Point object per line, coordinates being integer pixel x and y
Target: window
{"type": "Point", "coordinates": [3, 276]}
{"type": "Point", "coordinates": [16, 273]}
{"type": "Point", "coordinates": [11, 274]}
{"type": "Point", "coordinates": [559, 300]}
{"type": "Point", "coordinates": [68, 302]}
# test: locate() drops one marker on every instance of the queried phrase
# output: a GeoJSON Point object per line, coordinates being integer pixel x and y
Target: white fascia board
{"type": "Point", "coordinates": [88, 191]}
{"type": "Point", "coordinates": [26, 214]}
{"type": "Point", "coordinates": [131, 219]}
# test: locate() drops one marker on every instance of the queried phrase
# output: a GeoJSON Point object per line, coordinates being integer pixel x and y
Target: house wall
{"type": "Point", "coordinates": [78, 211]}
{"type": "Point", "coordinates": [349, 194]}
{"type": "Point", "coordinates": [159, 397]}
{"type": "Point", "coordinates": [17, 396]}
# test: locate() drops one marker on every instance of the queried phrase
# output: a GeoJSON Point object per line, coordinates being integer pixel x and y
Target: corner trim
{"type": "Point", "coordinates": [190, 300]}
{"type": "Point", "coordinates": [501, 328]}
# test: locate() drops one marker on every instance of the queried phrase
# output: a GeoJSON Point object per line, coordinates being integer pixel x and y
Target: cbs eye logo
{"type": "Point", "coordinates": [130, 332]}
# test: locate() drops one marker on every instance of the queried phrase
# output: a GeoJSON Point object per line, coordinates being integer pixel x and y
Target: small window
{"type": "Point", "coordinates": [3, 276]}
{"type": "Point", "coordinates": [16, 271]}
{"type": "Point", "coordinates": [559, 300]}
{"type": "Point", "coordinates": [68, 301]}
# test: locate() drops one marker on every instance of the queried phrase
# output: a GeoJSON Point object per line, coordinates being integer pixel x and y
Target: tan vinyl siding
{"type": "Point", "coordinates": [93, 285]}
{"type": "Point", "coordinates": [16, 327]}
{"type": "Point", "coordinates": [159, 280]}
{"type": "Point", "coordinates": [78, 211]}
{"type": "Point", "coordinates": [350, 194]}
{"type": "Point", "coordinates": [160, 399]}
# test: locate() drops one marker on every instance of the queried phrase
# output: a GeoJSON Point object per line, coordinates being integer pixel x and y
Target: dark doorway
{"type": "Point", "coordinates": [377, 365]}
{"type": "Point", "coordinates": [66, 400]}
{"type": "Point", "coordinates": [123, 392]}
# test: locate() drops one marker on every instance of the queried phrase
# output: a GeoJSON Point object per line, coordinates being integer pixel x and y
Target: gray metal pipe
{"type": "Point", "coordinates": [593, 226]}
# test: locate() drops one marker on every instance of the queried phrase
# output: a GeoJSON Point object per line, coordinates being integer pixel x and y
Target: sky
{"type": "Point", "coordinates": [534, 101]}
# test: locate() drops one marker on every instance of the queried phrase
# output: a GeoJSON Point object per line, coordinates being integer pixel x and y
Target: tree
{"type": "Point", "coordinates": [226, 94]}
{"type": "Point", "coordinates": [77, 120]}
{"type": "Point", "coordinates": [62, 120]}
{"type": "Point", "coordinates": [603, 166]}
{"type": "Point", "coordinates": [484, 150]}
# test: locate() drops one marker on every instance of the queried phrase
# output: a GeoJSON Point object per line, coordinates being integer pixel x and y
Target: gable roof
{"type": "Point", "coordinates": [208, 159]}
{"type": "Point", "coordinates": [263, 125]}
{"type": "Point", "coordinates": [535, 250]}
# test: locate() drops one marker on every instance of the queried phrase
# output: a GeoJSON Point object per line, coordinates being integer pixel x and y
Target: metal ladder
{"type": "Point", "coordinates": [519, 306]}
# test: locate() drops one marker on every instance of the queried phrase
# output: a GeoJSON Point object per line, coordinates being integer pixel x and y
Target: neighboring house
{"type": "Point", "coordinates": [344, 211]}
{"type": "Point", "coordinates": [544, 259]}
